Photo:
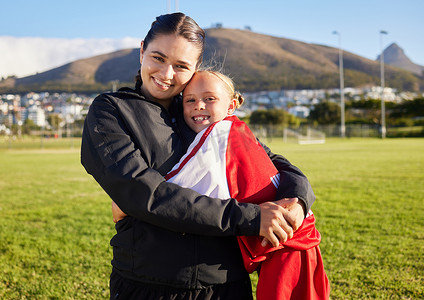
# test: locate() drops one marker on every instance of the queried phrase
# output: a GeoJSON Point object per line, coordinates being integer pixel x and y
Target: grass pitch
{"type": "Point", "coordinates": [56, 223]}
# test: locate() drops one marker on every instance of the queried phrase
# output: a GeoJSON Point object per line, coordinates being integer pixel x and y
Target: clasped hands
{"type": "Point", "coordinates": [280, 219]}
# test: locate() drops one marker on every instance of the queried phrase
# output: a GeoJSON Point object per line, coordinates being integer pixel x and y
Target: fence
{"type": "Point", "coordinates": [317, 134]}
{"type": "Point", "coordinates": [303, 135]}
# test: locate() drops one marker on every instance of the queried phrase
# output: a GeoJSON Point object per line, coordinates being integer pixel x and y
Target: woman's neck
{"type": "Point", "coordinates": [166, 103]}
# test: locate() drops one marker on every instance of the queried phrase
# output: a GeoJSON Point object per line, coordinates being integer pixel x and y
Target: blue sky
{"type": "Point", "coordinates": [313, 21]}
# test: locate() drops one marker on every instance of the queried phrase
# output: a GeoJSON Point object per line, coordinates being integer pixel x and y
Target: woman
{"type": "Point", "coordinates": [175, 243]}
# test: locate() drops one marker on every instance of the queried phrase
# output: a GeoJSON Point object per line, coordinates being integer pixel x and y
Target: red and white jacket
{"type": "Point", "coordinates": [226, 161]}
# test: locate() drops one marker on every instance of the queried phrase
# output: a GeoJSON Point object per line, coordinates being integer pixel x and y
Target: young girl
{"type": "Point", "coordinates": [225, 160]}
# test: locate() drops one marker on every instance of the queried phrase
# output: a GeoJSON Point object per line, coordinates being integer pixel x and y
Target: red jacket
{"type": "Point", "coordinates": [225, 160]}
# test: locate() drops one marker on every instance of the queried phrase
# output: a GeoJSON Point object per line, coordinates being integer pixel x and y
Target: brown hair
{"type": "Point", "coordinates": [181, 25]}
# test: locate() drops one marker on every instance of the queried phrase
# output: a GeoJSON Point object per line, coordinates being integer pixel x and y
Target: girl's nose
{"type": "Point", "coordinates": [199, 105]}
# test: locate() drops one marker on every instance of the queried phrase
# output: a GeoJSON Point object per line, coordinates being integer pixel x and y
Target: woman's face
{"type": "Point", "coordinates": [205, 101]}
{"type": "Point", "coordinates": [167, 65]}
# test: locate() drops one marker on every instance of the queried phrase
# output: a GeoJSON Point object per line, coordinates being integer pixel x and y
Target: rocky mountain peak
{"type": "Point", "coordinates": [395, 56]}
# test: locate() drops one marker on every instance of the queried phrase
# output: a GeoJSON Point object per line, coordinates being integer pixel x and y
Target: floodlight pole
{"type": "Point", "coordinates": [168, 6]}
{"type": "Point", "coordinates": [342, 101]}
{"type": "Point", "coordinates": [383, 109]}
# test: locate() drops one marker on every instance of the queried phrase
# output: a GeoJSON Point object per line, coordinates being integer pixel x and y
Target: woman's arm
{"type": "Point", "coordinates": [293, 183]}
{"type": "Point", "coordinates": [273, 228]}
{"type": "Point", "coordinates": [109, 154]}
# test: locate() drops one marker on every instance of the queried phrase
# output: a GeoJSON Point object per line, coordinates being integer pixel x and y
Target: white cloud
{"type": "Point", "coordinates": [23, 56]}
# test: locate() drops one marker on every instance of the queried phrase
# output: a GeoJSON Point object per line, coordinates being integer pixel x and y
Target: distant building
{"type": "Point", "coordinates": [300, 111]}
{"type": "Point", "coordinates": [70, 112]}
{"type": "Point", "coordinates": [36, 114]}
{"type": "Point", "coordinates": [4, 108]}
{"type": "Point", "coordinates": [389, 94]}
{"type": "Point", "coordinates": [217, 25]}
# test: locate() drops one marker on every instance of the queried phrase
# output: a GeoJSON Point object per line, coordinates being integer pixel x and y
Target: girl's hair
{"type": "Point", "coordinates": [180, 25]}
{"type": "Point", "coordinates": [228, 84]}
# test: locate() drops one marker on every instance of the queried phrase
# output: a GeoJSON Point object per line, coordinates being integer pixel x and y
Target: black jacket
{"type": "Point", "coordinates": [173, 235]}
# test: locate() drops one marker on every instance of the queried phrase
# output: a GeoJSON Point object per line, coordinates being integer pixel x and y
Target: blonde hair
{"type": "Point", "coordinates": [228, 84]}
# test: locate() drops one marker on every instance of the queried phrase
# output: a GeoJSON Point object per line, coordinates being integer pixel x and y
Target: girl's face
{"type": "Point", "coordinates": [167, 64]}
{"type": "Point", "coordinates": [205, 101]}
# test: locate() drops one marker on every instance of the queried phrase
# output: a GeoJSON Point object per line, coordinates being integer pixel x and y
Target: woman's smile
{"type": "Point", "coordinates": [161, 84]}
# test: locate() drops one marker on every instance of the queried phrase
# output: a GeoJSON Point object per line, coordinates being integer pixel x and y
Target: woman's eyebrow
{"type": "Point", "coordinates": [160, 53]}
{"type": "Point", "coordinates": [182, 62]}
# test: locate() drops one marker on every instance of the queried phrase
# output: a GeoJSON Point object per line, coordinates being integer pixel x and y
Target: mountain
{"type": "Point", "coordinates": [90, 74]}
{"type": "Point", "coordinates": [255, 62]}
{"type": "Point", "coordinates": [395, 56]}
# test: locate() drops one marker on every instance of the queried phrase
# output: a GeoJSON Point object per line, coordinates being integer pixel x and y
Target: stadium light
{"type": "Point", "coordinates": [168, 6]}
{"type": "Point", "coordinates": [342, 102]}
{"type": "Point", "coordinates": [383, 110]}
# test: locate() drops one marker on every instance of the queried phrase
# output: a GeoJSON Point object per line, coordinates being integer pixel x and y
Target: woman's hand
{"type": "Point", "coordinates": [117, 213]}
{"type": "Point", "coordinates": [294, 211]}
{"type": "Point", "coordinates": [274, 227]}
{"type": "Point", "coordinates": [280, 219]}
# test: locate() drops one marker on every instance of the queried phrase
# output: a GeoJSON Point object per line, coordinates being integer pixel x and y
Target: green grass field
{"type": "Point", "coordinates": [56, 223]}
